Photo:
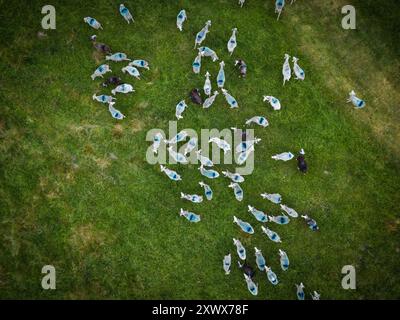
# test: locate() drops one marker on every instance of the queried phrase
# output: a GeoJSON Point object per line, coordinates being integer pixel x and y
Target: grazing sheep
{"type": "Point", "coordinates": [123, 88]}
{"type": "Point", "coordinates": [299, 72]}
{"type": "Point", "coordinates": [279, 4]}
{"type": "Point", "coordinates": [247, 269]}
{"type": "Point", "coordinates": [117, 57]}
{"type": "Point", "coordinates": [244, 155]}
{"type": "Point", "coordinates": [259, 215]}
{"type": "Point", "coordinates": [192, 143]}
{"type": "Point", "coordinates": [235, 177]}
{"type": "Point", "coordinates": [132, 71]}
{"type": "Point", "coordinates": [245, 144]}
{"type": "Point", "coordinates": [180, 107]}
{"type": "Point", "coordinates": [207, 190]}
{"type": "Point", "coordinates": [301, 162]}
{"type": "Point", "coordinates": [210, 100]}
{"type": "Point", "coordinates": [241, 251]}
{"type": "Point", "coordinates": [300, 291]}
{"type": "Point", "coordinates": [315, 296]}
{"type": "Point", "coordinates": [284, 156]}
{"type": "Point", "coordinates": [140, 64]}
{"type": "Point", "coordinates": [251, 286]}
{"type": "Point", "coordinates": [158, 137]}
{"type": "Point", "coordinates": [192, 217]}
{"type": "Point", "coordinates": [238, 191]}
{"type": "Point", "coordinates": [242, 68]}
{"type": "Point", "coordinates": [230, 99]}
{"type": "Point", "coordinates": [232, 41]}
{"type": "Point", "coordinates": [205, 161]}
{"type": "Point", "coordinates": [177, 156]}
{"type": "Point", "coordinates": [261, 121]}
{"type": "Point", "coordinates": [221, 143]}
{"type": "Point", "coordinates": [125, 13]}
{"type": "Point", "coordinates": [101, 71]}
{"type": "Point", "coordinates": [201, 35]}
{"type": "Point", "coordinates": [207, 85]}
{"type": "Point", "coordinates": [115, 81]}
{"type": "Point", "coordinates": [173, 175]}
{"type": "Point", "coordinates": [244, 226]}
{"type": "Point", "coordinates": [357, 102]}
{"type": "Point", "coordinates": [180, 136]}
{"type": "Point", "coordinates": [195, 96]}
{"type": "Point", "coordinates": [101, 47]}
{"type": "Point", "coordinates": [273, 197]}
{"type": "Point", "coordinates": [286, 71]}
{"type": "Point", "coordinates": [93, 23]}
{"type": "Point", "coordinates": [103, 98]}
{"type": "Point", "coordinates": [274, 102]}
{"type": "Point", "coordinates": [207, 52]}
{"type": "Point", "coordinates": [221, 75]}
{"type": "Point", "coordinates": [312, 224]}
{"type": "Point", "coordinates": [196, 65]}
{"type": "Point", "coordinates": [180, 19]}
{"type": "Point", "coordinates": [271, 276]}
{"type": "Point", "coordinates": [211, 174]}
{"type": "Point", "coordinates": [116, 114]}
{"type": "Point", "coordinates": [290, 211]}
{"type": "Point", "coordinates": [227, 264]}
{"type": "Point", "coordinates": [260, 260]}
{"type": "Point", "coordinates": [272, 235]}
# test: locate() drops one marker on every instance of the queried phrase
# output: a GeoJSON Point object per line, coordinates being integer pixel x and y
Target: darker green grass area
{"type": "Point", "coordinates": [111, 226]}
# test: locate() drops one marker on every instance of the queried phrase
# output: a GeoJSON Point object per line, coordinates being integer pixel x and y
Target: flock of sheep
{"type": "Point", "coordinates": [244, 149]}
{"type": "Point", "coordinates": [131, 68]}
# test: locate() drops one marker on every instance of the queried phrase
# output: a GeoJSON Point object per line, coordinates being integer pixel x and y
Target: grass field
{"type": "Point", "coordinates": [111, 226]}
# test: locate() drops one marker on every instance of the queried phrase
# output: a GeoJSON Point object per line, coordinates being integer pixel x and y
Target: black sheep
{"type": "Point", "coordinates": [301, 162]}
{"type": "Point", "coordinates": [101, 47]}
{"type": "Point", "coordinates": [242, 67]}
{"type": "Point", "coordinates": [196, 97]}
{"type": "Point", "coordinates": [247, 269]}
{"type": "Point", "coordinates": [115, 81]}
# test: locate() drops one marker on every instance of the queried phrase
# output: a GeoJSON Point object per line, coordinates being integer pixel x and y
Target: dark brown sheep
{"type": "Point", "coordinates": [301, 162]}
{"type": "Point", "coordinates": [101, 47]}
{"type": "Point", "coordinates": [247, 269]}
{"type": "Point", "coordinates": [242, 67]}
{"type": "Point", "coordinates": [196, 97]}
{"type": "Point", "coordinates": [115, 81]}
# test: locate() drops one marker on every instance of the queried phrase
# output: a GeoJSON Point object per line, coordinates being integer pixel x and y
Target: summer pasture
{"type": "Point", "coordinates": [77, 192]}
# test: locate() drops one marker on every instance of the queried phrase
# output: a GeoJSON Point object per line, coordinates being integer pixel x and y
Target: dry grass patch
{"type": "Point", "coordinates": [97, 56]}
{"type": "Point", "coordinates": [102, 163]}
{"type": "Point", "coordinates": [118, 130]}
{"type": "Point", "coordinates": [393, 225]}
{"type": "Point", "coordinates": [84, 237]}
{"type": "Point", "coordinates": [143, 105]}
{"type": "Point", "coordinates": [136, 126]}
{"type": "Point", "coordinates": [88, 149]}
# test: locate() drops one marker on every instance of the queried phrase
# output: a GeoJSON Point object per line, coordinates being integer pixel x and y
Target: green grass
{"type": "Point", "coordinates": [111, 227]}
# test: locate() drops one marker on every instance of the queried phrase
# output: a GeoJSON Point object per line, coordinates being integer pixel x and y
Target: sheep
{"type": "Point", "coordinates": [101, 47]}
{"type": "Point", "coordinates": [242, 68]}
{"type": "Point", "coordinates": [301, 162]}
{"type": "Point", "coordinates": [195, 96]}
{"type": "Point", "coordinates": [115, 81]}
{"type": "Point", "coordinates": [247, 269]}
